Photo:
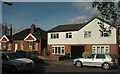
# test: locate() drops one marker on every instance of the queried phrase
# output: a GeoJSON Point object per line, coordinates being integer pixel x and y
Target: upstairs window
{"type": "Point", "coordinates": [68, 35]}
{"type": "Point", "coordinates": [87, 34]}
{"type": "Point", "coordinates": [54, 36]}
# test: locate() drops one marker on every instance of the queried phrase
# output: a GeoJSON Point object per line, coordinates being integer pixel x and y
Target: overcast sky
{"type": "Point", "coordinates": [46, 15]}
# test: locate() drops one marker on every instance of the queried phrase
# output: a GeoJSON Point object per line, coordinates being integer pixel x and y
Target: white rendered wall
{"type": "Point", "coordinates": [78, 36]}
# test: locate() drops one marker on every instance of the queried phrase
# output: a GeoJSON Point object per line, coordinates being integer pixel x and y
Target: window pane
{"type": "Point", "coordinates": [51, 36]}
{"type": "Point", "coordinates": [66, 35]}
{"type": "Point", "coordinates": [30, 45]}
{"type": "Point", "coordinates": [57, 35]}
{"type": "Point", "coordinates": [91, 56]}
{"type": "Point", "coordinates": [55, 50]}
{"type": "Point", "coordinates": [100, 56]}
{"type": "Point", "coordinates": [58, 50]}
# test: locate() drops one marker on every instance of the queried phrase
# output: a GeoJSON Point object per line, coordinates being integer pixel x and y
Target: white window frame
{"type": "Point", "coordinates": [8, 46]}
{"type": "Point", "coordinates": [35, 46]}
{"type": "Point", "coordinates": [4, 44]}
{"type": "Point", "coordinates": [21, 45]}
{"type": "Point", "coordinates": [55, 50]}
{"type": "Point", "coordinates": [30, 46]}
{"type": "Point", "coordinates": [54, 35]}
{"type": "Point", "coordinates": [69, 35]}
{"type": "Point", "coordinates": [87, 34]}
{"type": "Point", "coordinates": [102, 49]}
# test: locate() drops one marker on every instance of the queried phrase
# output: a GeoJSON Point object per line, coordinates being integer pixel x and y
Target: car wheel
{"type": "Point", "coordinates": [78, 64]}
{"type": "Point", "coordinates": [13, 69]}
{"type": "Point", "coordinates": [106, 66]}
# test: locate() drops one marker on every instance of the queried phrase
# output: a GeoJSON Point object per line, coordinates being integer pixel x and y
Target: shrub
{"type": "Point", "coordinates": [34, 52]}
{"type": "Point", "coordinates": [19, 50]}
{"type": "Point", "coordinates": [115, 56]}
{"type": "Point", "coordinates": [4, 49]}
{"type": "Point", "coordinates": [85, 54]}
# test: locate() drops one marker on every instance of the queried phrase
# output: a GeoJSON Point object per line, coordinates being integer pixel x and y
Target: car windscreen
{"type": "Point", "coordinates": [11, 56]}
{"type": "Point", "coordinates": [15, 55]}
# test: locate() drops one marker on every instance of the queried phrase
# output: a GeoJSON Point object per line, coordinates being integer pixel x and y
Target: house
{"type": "Point", "coordinates": [32, 38]}
{"type": "Point", "coordinates": [4, 30]}
{"type": "Point", "coordinates": [95, 36]}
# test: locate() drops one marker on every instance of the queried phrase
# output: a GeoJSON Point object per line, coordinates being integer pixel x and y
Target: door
{"type": "Point", "coordinates": [89, 60]}
{"type": "Point", "coordinates": [15, 46]}
{"type": "Point", "coordinates": [76, 51]}
{"type": "Point", "coordinates": [99, 60]}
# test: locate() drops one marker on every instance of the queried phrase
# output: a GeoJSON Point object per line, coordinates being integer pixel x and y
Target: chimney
{"type": "Point", "coordinates": [10, 30]}
{"type": "Point", "coordinates": [32, 28]}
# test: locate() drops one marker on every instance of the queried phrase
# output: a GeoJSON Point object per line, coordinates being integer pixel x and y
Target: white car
{"type": "Point", "coordinates": [100, 60]}
{"type": "Point", "coordinates": [16, 64]}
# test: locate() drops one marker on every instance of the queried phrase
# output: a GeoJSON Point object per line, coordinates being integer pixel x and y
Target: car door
{"type": "Point", "coordinates": [99, 59]}
{"type": "Point", "coordinates": [89, 60]}
{"type": "Point", "coordinates": [5, 61]}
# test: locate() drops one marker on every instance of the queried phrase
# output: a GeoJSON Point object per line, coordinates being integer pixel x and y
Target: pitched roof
{"type": "Point", "coordinates": [39, 34]}
{"type": "Point", "coordinates": [73, 27]}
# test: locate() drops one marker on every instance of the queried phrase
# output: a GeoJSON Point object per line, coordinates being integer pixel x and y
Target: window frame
{"type": "Point", "coordinates": [58, 50]}
{"type": "Point", "coordinates": [69, 35]}
{"type": "Point", "coordinates": [21, 45]}
{"type": "Point", "coordinates": [54, 35]}
{"type": "Point", "coordinates": [30, 46]}
{"type": "Point", "coordinates": [87, 34]}
{"type": "Point", "coordinates": [106, 49]}
{"type": "Point", "coordinates": [9, 46]}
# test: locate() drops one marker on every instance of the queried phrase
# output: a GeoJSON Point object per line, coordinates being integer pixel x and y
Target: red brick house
{"type": "Point", "coordinates": [77, 38]}
{"type": "Point", "coordinates": [32, 38]}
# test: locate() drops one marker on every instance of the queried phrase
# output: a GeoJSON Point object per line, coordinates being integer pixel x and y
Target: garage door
{"type": "Point", "coordinates": [76, 51]}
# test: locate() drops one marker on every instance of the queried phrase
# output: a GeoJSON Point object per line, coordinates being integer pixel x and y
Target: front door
{"type": "Point", "coordinates": [15, 46]}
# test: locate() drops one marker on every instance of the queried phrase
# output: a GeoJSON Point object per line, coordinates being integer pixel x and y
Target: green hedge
{"type": "Point", "coordinates": [4, 49]}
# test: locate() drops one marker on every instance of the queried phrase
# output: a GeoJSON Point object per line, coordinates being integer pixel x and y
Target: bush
{"type": "Point", "coordinates": [85, 54]}
{"type": "Point", "coordinates": [19, 50]}
{"type": "Point", "coordinates": [115, 56]}
{"type": "Point", "coordinates": [34, 52]}
{"type": "Point", "coordinates": [4, 49]}
{"type": "Point", "coordinates": [48, 53]}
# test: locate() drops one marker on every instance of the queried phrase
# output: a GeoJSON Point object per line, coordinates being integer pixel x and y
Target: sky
{"type": "Point", "coordinates": [46, 15]}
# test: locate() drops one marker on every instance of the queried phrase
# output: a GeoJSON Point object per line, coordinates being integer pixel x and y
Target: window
{"type": "Point", "coordinates": [105, 34]}
{"type": "Point", "coordinates": [68, 35]}
{"type": "Point", "coordinates": [87, 34]}
{"type": "Point", "coordinates": [30, 45]}
{"type": "Point", "coordinates": [58, 50]}
{"type": "Point", "coordinates": [90, 56]}
{"type": "Point", "coordinates": [9, 46]}
{"type": "Point", "coordinates": [4, 45]}
{"type": "Point", "coordinates": [54, 36]}
{"type": "Point", "coordinates": [100, 49]}
{"type": "Point", "coordinates": [100, 56]}
{"type": "Point", "coordinates": [35, 46]}
{"type": "Point", "coordinates": [21, 45]}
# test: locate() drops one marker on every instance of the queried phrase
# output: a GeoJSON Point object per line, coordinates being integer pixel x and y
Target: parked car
{"type": "Point", "coordinates": [15, 64]}
{"type": "Point", "coordinates": [27, 55]}
{"type": "Point", "coordinates": [100, 60]}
